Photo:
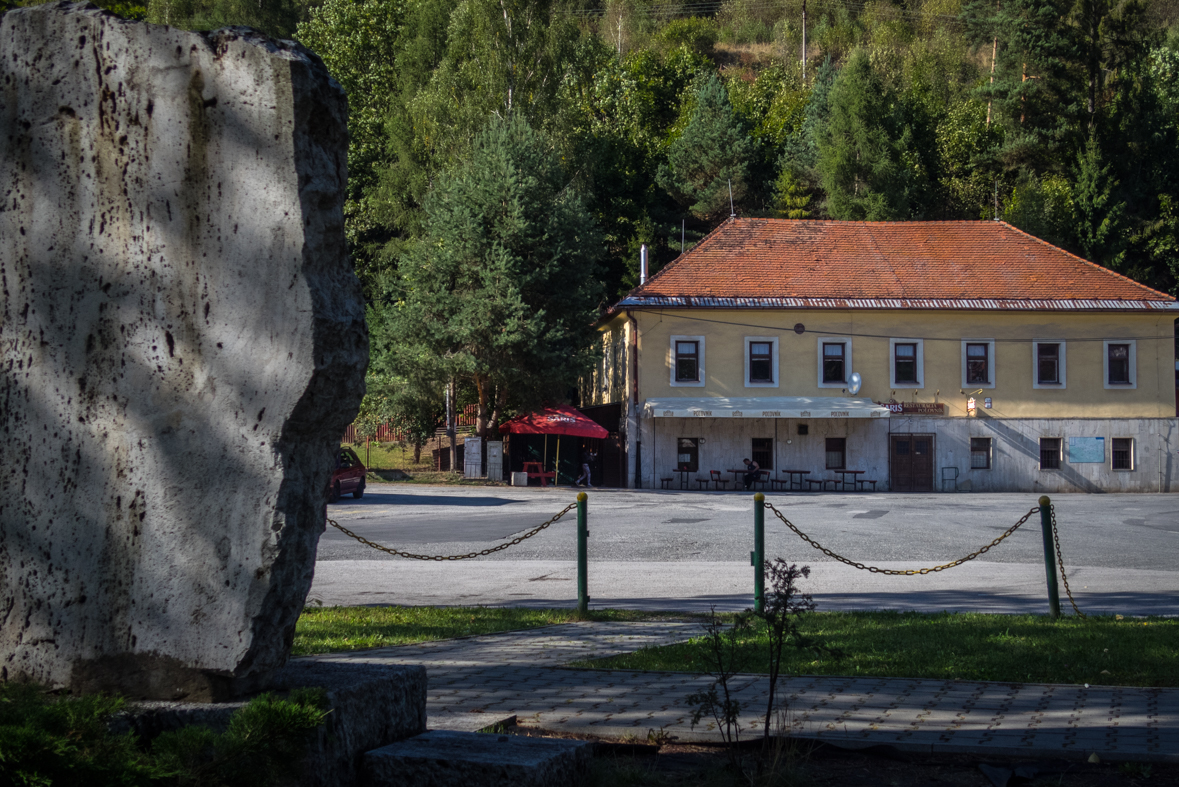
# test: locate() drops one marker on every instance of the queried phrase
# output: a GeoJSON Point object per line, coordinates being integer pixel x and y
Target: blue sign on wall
{"type": "Point", "coordinates": [1086, 450]}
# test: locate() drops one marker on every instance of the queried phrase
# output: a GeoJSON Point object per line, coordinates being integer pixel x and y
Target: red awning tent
{"type": "Point", "coordinates": [558, 420]}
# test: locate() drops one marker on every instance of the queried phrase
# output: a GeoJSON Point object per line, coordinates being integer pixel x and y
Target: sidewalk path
{"type": "Point", "coordinates": [478, 681]}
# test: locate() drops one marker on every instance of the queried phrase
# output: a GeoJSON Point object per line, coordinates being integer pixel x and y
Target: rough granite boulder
{"type": "Point", "coordinates": [182, 344]}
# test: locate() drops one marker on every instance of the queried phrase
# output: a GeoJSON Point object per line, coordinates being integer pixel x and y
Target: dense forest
{"type": "Point", "coordinates": [479, 126]}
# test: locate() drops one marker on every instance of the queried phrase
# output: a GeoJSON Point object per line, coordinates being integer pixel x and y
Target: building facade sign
{"type": "Point", "coordinates": [915, 408]}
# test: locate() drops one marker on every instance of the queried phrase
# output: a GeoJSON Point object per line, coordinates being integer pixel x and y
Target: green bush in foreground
{"type": "Point", "coordinates": [48, 740]}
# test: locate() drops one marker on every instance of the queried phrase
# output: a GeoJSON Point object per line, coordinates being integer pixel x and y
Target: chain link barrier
{"type": "Point", "coordinates": [469, 555]}
{"type": "Point", "coordinates": [907, 572]}
{"type": "Point", "coordinates": [1060, 562]}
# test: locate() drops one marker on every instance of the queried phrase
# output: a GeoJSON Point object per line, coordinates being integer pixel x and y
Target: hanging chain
{"type": "Point", "coordinates": [482, 553]}
{"type": "Point", "coordinates": [1060, 562]}
{"type": "Point", "coordinates": [907, 572]}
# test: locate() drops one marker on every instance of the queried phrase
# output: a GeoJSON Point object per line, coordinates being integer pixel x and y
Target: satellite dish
{"type": "Point", "coordinates": [853, 383]}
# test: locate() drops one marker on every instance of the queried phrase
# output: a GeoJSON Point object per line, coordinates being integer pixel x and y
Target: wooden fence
{"type": "Point", "coordinates": [387, 434]}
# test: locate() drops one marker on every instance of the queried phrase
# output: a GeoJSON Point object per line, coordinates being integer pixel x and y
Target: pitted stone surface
{"type": "Point", "coordinates": [182, 343]}
{"type": "Point", "coordinates": [518, 673]}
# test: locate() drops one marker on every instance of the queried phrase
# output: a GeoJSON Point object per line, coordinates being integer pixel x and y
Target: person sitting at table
{"type": "Point", "coordinates": [752, 470]}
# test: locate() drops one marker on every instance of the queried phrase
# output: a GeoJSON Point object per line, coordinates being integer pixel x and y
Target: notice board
{"type": "Point", "coordinates": [1086, 450]}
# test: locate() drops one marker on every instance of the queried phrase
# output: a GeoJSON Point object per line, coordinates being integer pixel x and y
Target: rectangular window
{"type": "Point", "coordinates": [1123, 453]}
{"type": "Point", "coordinates": [980, 453]}
{"type": "Point", "coordinates": [1048, 364]}
{"type": "Point", "coordinates": [1119, 364]}
{"type": "Point", "coordinates": [834, 362]}
{"type": "Point", "coordinates": [978, 367]}
{"type": "Point", "coordinates": [687, 455]}
{"type": "Point", "coordinates": [761, 365]}
{"type": "Point", "coordinates": [763, 452]}
{"type": "Point", "coordinates": [836, 453]}
{"type": "Point", "coordinates": [687, 362]}
{"type": "Point", "coordinates": [1049, 453]}
{"type": "Point", "coordinates": [905, 363]}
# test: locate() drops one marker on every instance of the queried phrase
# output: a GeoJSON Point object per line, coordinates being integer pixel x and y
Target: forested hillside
{"type": "Point", "coordinates": [1059, 116]}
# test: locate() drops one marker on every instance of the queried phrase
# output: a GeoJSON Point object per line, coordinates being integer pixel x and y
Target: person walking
{"type": "Point", "coordinates": [752, 471]}
{"type": "Point", "coordinates": [587, 458]}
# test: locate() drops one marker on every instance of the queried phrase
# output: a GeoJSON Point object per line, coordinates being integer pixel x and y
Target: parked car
{"type": "Point", "coordinates": [348, 476]}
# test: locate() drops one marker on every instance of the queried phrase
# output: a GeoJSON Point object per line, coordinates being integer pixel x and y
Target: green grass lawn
{"type": "Point", "coordinates": [1015, 648]}
{"type": "Point", "coordinates": [328, 629]}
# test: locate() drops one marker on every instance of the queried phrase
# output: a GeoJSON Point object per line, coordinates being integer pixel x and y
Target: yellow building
{"type": "Point", "coordinates": [924, 355]}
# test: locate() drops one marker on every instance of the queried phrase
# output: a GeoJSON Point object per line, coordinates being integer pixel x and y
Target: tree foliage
{"type": "Point", "coordinates": [710, 157]}
{"type": "Point", "coordinates": [501, 289]}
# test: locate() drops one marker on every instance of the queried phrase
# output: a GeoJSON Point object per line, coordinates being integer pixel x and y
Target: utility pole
{"type": "Point", "coordinates": [994, 54]}
{"type": "Point", "coordinates": [450, 424]}
{"type": "Point", "coordinates": [804, 43]}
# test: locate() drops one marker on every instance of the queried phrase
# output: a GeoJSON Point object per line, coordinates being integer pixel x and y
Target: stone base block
{"type": "Point", "coordinates": [474, 759]}
{"type": "Point", "coordinates": [371, 706]}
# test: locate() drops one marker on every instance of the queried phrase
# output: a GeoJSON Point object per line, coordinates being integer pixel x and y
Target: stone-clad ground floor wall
{"type": "Point", "coordinates": [1015, 445]}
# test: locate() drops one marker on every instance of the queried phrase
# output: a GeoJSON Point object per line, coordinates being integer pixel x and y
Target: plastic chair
{"type": "Point", "coordinates": [721, 483]}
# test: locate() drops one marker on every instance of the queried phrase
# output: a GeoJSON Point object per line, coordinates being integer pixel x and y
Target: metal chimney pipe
{"type": "Point", "coordinates": [643, 264]}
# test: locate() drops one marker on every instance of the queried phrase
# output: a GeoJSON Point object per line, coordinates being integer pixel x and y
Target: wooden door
{"type": "Point", "coordinates": [911, 463]}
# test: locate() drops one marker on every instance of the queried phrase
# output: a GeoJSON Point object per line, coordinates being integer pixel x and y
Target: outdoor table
{"type": "Point", "coordinates": [683, 471]}
{"type": "Point", "coordinates": [849, 481]}
{"type": "Point", "coordinates": [739, 477]}
{"type": "Point", "coordinates": [790, 480]}
{"type": "Point", "coordinates": [536, 470]}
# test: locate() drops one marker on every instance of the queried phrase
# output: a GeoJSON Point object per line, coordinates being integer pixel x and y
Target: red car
{"type": "Point", "coordinates": [348, 476]}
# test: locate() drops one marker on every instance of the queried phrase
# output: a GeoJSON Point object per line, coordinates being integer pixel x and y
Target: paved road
{"type": "Point", "coordinates": [690, 550]}
{"type": "Point", "coordinates": [478, 681]}
{"type": "Point", "coordinates": [1113, 531]}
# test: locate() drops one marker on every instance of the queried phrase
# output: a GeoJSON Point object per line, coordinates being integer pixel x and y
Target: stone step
{"type": "Point", "coordinates": [474, 759]}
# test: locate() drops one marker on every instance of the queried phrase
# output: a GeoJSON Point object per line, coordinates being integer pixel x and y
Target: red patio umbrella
{"type": "Point", "coordinates": [558, 420]}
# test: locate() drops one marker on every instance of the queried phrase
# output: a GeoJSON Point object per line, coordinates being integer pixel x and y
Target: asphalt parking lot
{"type": "Point", "coordinates": [657, 547]}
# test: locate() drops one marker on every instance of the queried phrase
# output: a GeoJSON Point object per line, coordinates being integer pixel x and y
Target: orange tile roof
{"type": "Point", "coordinates": [910, 264]}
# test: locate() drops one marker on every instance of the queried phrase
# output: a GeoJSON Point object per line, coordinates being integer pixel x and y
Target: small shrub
{"type": "Point", "coordinates": [697, 34]}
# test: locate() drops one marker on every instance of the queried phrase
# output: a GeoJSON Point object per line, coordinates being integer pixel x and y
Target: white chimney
{"type": "Point", "coordinates": [643, 264]}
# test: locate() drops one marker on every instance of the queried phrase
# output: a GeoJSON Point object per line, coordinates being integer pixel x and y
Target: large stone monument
{"type": "Point", "coordinates": [182, 344]}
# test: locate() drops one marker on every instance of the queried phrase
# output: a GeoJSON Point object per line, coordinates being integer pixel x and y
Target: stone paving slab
{"type": "Point", "coordinates": [520, 673]}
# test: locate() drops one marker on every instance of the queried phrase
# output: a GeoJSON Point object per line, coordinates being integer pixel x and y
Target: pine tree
{"type": "Point", "coordinates": [713, 151]}
{"type": "Point", "coordinates": [861, 148]}
{"type": "Point", "coordinates": [502, 288]}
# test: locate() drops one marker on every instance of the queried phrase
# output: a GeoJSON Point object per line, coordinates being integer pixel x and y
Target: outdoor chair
{"type": "Point", "coordinates": [721, 483]}
{"type": "Point", "coordinates": [814, 483]}
{"type": "Point", "coordinates": [861, 481]}
{"type": "Point", "coordinates": [763, 478]}
{"type": "Point", "coordinates": [704, 482]}
{"type": "Point", "coordinates": [666, 482]}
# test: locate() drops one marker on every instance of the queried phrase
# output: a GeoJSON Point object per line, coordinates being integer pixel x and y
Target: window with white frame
{"type": "Point", "coordinates": [835, 361]}
{"type": "Point", "coordinates": [1119, 363]}
{"type": "Point", "coordinates": [687, 361]}
{"type": "Point", "coordinates": [1122, 456]}
{"type": "Point", "coordinates": [978, 363]}
{"type": "Point", "coordinates": [1050, 453]}
{"type": "Point", "coordinates": [980, 453]}
{"type": "Point", "coordinates": [907, 363]}
{"type": "Point", "coordinates": [1048, 364]}
{"type": "Point", "coordinates": [761, 362]}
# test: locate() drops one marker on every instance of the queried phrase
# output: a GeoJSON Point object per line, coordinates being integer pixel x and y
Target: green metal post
{"type": "Point", "coordinates": [758, 555]}
{"type": "Point", "coordinates": [582, 558]}
{"type": "Point", "coordinates": [1049, 556]}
